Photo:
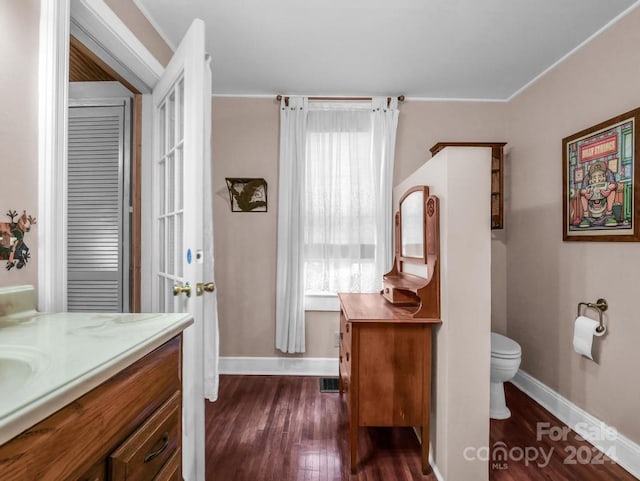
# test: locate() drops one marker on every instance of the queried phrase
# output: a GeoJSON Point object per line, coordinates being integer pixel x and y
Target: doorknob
{"type": "Point", "coordinates": [186, 289]}
{"type": "Point", "coordinates": [201, 288]}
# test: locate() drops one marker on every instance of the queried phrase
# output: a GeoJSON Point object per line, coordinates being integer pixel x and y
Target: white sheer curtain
{"type": "Point", "coordinates": [348, 195]}
{"type": "Point", "coordinates": [385, 125]}
{"type": "Point", "coordinates": [340, 199]}
{"type": "Point", "coordinates": [211, 338]}
{"type": "Point", "coordinates": [290, 332]}
{"type": "Point", "coordinates": [335, 214]}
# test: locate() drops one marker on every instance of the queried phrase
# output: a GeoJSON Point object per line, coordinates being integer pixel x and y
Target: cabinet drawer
{"type": "Point", "coordinates": [172, 471]}
{"type": "Point", "coordinates": [400, 297]}
{"type": "Point", "coordinates": [146, 451]}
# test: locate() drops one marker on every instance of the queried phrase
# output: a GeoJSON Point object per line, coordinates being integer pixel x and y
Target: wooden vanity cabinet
{"type": "Point", "coordinates": [143, 454]}
{"type": "Point", "coordinates": [128, 428]}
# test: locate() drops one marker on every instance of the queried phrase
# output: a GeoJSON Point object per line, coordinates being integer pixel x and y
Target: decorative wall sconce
{"type": "Point", "coordinates": [247, 195]}
{"type": "Point", "coordinates": [12, 246]}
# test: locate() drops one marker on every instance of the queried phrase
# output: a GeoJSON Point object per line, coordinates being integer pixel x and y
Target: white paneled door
{"type": "Point", "coordinates": [180, 101]}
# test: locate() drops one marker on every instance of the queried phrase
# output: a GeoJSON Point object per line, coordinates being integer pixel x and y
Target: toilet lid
{"type": "Point", "coordinates": [502, 346]}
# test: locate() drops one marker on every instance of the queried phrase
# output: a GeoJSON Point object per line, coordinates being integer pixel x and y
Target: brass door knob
{"type": "Point", "coordinates": [186, 289]}
{"type": "Point", "coordinates": [202, 287]}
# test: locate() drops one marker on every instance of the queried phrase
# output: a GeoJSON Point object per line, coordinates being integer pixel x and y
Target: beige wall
{"type": "Point", "coordinates": [460, 177]}
{"type": "Point", "coordinates": [245, 144]}
{"type": "Point", "coordinates": [548, 277]}
{"type": "Point", "coordinates": [19, 25]}
{"type": "Point", "coordinates": [133, 18]}
{"type": "Point", "coordinates": [425, 123]}
{"type": "Point", "coordinates": [19, 37]}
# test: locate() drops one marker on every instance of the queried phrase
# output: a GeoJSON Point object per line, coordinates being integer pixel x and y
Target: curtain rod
{"type": "Point", "coordinates": [286, 99]}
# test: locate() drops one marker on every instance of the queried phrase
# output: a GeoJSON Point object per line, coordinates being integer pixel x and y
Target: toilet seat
{"type": "Point", "coordinates": [504, 348]}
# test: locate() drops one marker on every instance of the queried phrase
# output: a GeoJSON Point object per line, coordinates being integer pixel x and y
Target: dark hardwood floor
{"type": "Point", "coordinates": [272, 428]}
{"type": "Point", "coordinates": [555, 452]}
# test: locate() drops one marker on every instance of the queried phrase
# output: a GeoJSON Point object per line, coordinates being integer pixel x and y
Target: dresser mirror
{"type": "Point", "coordinates": [412, 225]}
{"type": "Point", "coordinates": [414, 278]}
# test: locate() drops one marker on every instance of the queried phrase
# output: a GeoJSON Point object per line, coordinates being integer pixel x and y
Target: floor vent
{"type": "Point", "coordinates": [329, 384]}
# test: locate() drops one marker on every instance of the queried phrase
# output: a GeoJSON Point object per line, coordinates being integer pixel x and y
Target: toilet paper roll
{"type": "Point", "coordinates": [584, 330]}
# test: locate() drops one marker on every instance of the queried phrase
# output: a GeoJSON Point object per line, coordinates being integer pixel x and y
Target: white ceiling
{"type": "Point", "coordinates": [466, 49]}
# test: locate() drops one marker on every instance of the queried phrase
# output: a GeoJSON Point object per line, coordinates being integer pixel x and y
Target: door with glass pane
{"type": "Point", "coordinates": [179, 130]}
{"type": "Point", "coordinates": [170, 207]}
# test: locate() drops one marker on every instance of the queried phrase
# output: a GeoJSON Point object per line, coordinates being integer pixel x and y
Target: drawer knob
{"type": "Point", "coordinates": [347, 328]}
{"type": "Point", "coordinates": [155, 454]}
{"type": "Point", "coordinates": [347, 357]}
{"type": "Point", "coordinates": [341, 336]}
{"type": "Point", "coordinates": [340, 358]}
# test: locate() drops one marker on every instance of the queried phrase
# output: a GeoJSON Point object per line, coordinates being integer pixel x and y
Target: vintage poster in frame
{"type": "Point", "coordinates": [600, 183]}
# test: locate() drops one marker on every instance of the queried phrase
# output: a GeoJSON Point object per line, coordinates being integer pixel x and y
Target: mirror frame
{"type": "Point", "coordinates": [425, 195]}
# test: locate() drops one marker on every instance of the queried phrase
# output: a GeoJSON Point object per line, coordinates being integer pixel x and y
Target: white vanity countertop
{"type": "Point", "coordinates": [49, 360]}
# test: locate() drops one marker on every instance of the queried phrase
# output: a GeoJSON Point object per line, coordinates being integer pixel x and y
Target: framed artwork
{"type": "Point", "coordinates": [247, 195]}
{"type": "Point", "coordinates": [12, 243]}
{"type": "Point", "coordinates": [600, 187]}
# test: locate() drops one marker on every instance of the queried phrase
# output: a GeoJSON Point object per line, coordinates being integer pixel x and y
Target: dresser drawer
{"type": "Point", "coordinates": [145, 452]}
{"type": "Point", "coordinates": [172, 471]}
{"type": "Point", "coordinates": [345, 333]}
{"type": "Point", "coordinates": [400, 297]}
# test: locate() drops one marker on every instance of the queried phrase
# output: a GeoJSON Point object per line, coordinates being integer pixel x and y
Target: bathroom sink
{"type": "Point", "coordinates": [18, 366]}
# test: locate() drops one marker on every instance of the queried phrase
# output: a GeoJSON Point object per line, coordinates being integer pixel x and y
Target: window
{"type": "Point", "coordinates": [340, 206]}
{"type": "Point", "coordinates": [335, 222]}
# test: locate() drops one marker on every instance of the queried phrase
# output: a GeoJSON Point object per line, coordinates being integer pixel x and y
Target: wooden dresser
{"type": "Point", "coordinates": [385, 343]}
{"type": "Point", "coordinates": [385, 367]}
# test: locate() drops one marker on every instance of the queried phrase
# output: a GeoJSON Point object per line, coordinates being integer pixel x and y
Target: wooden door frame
{"type": "Point", "coordinates": [109, 35]}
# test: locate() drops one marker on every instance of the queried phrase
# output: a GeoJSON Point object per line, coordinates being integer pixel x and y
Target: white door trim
{"type": "Point", "coordinates": [147, 222]}
{"type": "Point", "coordinates": [100, 29]}
{"type": "Point", "coordinates": [52, 154]}
{"type": "Point", "coordinates": [100, 23]}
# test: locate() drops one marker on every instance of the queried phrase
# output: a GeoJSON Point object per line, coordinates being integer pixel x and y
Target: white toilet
{"type": "Point", "coordinates": [505, 361]}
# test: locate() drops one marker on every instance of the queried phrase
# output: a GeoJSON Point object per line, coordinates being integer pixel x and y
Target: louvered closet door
{"type": "Point", "coordinates": [97, 278]}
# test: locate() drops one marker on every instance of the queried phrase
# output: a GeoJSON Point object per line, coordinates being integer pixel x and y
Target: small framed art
{"type": "Point", "coordinates": [247, 195]}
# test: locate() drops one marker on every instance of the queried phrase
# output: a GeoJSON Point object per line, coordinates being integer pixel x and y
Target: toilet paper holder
{"type": "Point", "coordinates": [601, 305]}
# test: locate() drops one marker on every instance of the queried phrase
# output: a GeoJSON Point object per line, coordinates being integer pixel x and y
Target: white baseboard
{"type": "Point", "coordinates": [627, 452]}
{"type": "Point", "coordinates": [279, 366]}
{"type": "Point", "coordinates": [434, 468]}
